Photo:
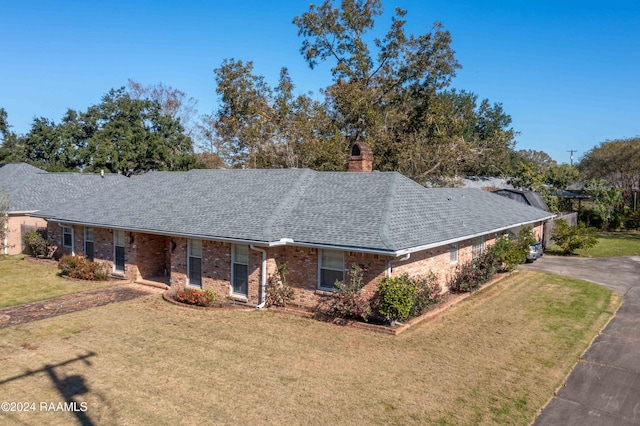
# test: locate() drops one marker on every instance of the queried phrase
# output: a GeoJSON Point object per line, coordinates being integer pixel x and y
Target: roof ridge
{"type": "Point", "coordinates": [383, 231]}
{"type": "Point", "coordinates": [288, 202]}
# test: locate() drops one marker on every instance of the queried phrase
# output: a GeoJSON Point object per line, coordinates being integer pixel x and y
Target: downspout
{"type": "Point", "coordinates": [263, 277]}
{"type": "Point", "coordinates": [401, 259]}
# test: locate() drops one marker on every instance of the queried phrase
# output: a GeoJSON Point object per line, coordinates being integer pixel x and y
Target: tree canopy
{"type": "Point", "coordinates": [615, 161]}
{"type": "Point", "coordinates": [392, 92]}
{"type": "Point", "coordinates": [120, 134]}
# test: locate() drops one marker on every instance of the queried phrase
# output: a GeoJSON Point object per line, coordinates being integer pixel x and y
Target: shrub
{"type": "Point", "coordinates": [395, 298]}
{"type": "Point", "coordinates": [633, 220]}
{"type": "Point", "coordinates": [38, 245]}
{"type": "Point", "coordinates": [347, 302]}
{"type": "Point", "coordinates": [278, 292]}
{"type": "Point", "coordinates": [508, 253]}
{"type": "Point", "coordinates": [80, 268]}
{"type": "Point", "coordinates": [526, 237]}
{"type": "Point", "coordinates": [193, 296]}
{"type": "Point", "coordinates": [471, 275]}
{"type": "Point", "coordinates": [427, 292]}
{"type": "Point", "coordinates": [571, 238]}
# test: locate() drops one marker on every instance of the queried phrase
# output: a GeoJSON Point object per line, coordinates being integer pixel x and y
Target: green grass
{"type": "Point", "coordinates": [496, 357]}
{"type": "Point", "coordinates": [610, 244]}
{"type": "Point", "coordinates": [23, 281]}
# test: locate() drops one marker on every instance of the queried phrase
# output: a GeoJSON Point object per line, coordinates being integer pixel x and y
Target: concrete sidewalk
{"type": "Point", "coordinates": [604, 386]}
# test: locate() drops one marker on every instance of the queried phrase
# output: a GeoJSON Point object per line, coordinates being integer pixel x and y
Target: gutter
{"type": "Point", "coordinates": [467, 237]}
{"type": "Point", "coordinates": [290, 241]}
{"type": "Point", "coordinates": [396, 260]}
{"type": "Point", "coordinates": [263, 277]}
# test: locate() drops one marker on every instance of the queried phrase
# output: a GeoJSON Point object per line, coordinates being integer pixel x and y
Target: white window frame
{"type": "Point", "coordinates": [478, 247]}
{"type": "Point", "coordinates": [233, 263]}
{"type": "Point", "coordinates": [124, 236]}
{"type": "Point", "coordinates": [321, 267]}
{"type": "Point", "coordinates": [189, 256]}
{"type": "Point", "coordinates": [453, 253]}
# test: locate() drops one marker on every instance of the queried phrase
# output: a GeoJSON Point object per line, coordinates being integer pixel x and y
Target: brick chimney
{"type": "Point", "coordinates": [360, 158]}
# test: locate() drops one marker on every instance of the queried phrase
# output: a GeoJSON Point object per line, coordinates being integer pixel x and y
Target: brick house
{"type": "Point", "coordinates": [30, 189]}
{"type": "Point", "coordinates": [228, 230]}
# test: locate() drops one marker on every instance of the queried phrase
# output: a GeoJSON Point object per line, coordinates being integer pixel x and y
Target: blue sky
{"type": "Point", "coordinates": [568, 72]}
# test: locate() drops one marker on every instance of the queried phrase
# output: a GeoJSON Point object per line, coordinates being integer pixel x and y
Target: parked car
{"type": "Point", "coordinates": [535, 252]}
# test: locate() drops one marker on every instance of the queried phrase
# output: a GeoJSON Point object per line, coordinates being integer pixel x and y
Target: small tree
{"type": "Point", "coordinates": [4, 219]}
{"type": "Point", "coordinates": [36, 243]}
{"type": "Point", "coordinates": [571, 238]}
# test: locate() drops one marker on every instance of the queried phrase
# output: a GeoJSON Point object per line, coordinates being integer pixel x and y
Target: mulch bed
{"type": "Point", "coordinates": [229, 305]}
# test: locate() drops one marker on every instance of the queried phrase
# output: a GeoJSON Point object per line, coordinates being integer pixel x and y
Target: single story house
{"type": "Point", "coordinates": [30, 189]}
{"type": "Point", "coordinates": [228, 230]}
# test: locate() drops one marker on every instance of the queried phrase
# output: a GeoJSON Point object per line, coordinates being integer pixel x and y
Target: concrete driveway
{"type": "Point", "coordinates": [604, 386]}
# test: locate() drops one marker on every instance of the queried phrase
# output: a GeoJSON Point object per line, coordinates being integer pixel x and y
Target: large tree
{"type": "Point", "coordinates": [120, 134]}
{"type": "Point", "coordinates": [135, 135]}
{"type": "Point", "coordinates": [11, 149]}
{"type": "Point", "coordinates": [260, 126]}
{"type": "Point", "coordinates": [617, 162]}
{"type": "Point", "coordinates": [393, 93]}
{"type": "Point", "coordinates": [173, 102]}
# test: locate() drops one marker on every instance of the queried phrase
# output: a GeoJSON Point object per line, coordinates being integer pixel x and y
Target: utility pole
{"type": "Point", "coordinates": [572, 151]}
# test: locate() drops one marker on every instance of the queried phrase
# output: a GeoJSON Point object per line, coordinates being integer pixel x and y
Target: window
{"type": "Point", "coordinates": [88, 243]}
{"type": "Point", "coordinates": [331, 269]}
{"type": "Point", "coordinates": [240, 270]}
{"type": "Point", "coordinates": [478, 247]}
{"type": "Point", "coordinates": [194, 263]}
{"type": "Point", "coordinates": [67, 236]}
{"type": "Point", "coordinates": [453, 253]}
{"type": "Point", "coordinates": [118, 242]}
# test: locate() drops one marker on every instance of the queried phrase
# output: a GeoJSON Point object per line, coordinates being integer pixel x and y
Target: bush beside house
{"type": "Point", "coordinates": [80, 268]}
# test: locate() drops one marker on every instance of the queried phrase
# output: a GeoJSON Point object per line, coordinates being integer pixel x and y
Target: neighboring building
{"type": "Point", "coordinates": [228, 230]}
{"type": "Point", "coordinates": [488, 183]}
{"type": "Point", "coordinates": [30, 189]}
{"type": "Point", "coordinates": [529, 198]}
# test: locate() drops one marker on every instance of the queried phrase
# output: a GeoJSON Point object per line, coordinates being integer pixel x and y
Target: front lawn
{"type": "Point", "coordinates": [496, 357]}
{"type": "Point", "coordinates": [23, 281]}
{"type": "Point", "coordinates": [610, 244]}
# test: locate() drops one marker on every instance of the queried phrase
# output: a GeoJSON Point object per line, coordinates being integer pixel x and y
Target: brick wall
{"type": "Point", "coordinates": [147, 255]}
{"type": "Point", "coordinates": [216, 268]}
{"type": "Point", "coordinates": [151, 255]}
{"type": "Point", "coordinates": [103, 248]}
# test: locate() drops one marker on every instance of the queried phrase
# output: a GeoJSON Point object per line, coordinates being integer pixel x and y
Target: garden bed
{"type": "Point", "coordinates": [228, 305]}
{"type": "Point", "coordinates": [448, 299]}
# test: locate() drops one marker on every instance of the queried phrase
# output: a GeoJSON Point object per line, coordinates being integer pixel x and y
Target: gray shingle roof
{"type": "Point", "coordinates": [31, 189]}
{"type": "Point", "coordinates": [367, 211]}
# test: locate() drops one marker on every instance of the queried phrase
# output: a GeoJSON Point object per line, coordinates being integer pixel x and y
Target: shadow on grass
{"type": "Point", "coordinates": [68, 387]}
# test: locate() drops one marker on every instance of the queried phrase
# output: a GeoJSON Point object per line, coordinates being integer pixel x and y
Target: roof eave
{"type": "Point", "coordinates": [466, 237]}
